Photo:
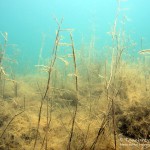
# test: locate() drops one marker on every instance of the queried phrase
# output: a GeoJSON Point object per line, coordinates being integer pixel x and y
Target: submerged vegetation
{"type": "Point", "coordinates": [78, 99]}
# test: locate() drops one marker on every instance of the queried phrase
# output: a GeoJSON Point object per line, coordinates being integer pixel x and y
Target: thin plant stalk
{"type": "Point", "coordinates": [76, 85]}
{"type": "Point", "coordinates": [48, 80]}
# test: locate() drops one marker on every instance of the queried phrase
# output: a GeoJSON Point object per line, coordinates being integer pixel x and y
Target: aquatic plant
{"type": "Point", "coordinates": [2, 71]}
{"type": "Point", "coordinates": [49, 70]}
{"type": "Point", "coordinates": [145, 51]}
{"type": "Point", "coordinates": [3, 75]}
{"type": "Point", "coordinates": [44, 96]}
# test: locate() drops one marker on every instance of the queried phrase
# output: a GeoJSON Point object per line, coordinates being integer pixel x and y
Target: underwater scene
{"type": "Point", "coordinates": [74, 75]}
